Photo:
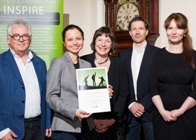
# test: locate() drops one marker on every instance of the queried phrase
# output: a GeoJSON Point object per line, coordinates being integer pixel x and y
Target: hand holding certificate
{"type": "Point", "coordinates": [92, 85]}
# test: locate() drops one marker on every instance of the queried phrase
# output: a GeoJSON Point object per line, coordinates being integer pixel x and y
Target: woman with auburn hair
{"type": "Point", "coordinates": [172, 84]}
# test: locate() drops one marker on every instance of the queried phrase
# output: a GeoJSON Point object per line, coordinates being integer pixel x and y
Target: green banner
{"type": "Point", "coordinates": [46, 19]}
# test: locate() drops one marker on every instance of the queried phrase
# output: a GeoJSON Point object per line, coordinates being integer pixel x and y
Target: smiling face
{"type": "Point", "coordinates": [73, 41]}
{"type": "Point", "coordinates": [103, 44]}
{"type": "Point", "coordinates": [138, 32]}
{"type": "Point", "coordinates": [175, 34]}
{"type": "Point", "coordinates": [20, 46]}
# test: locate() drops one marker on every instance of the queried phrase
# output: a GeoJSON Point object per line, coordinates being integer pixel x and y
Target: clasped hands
{"type": "Point", "coordinates": [102, 126]}
{"type": "Point", "coordinates": [170, 116]}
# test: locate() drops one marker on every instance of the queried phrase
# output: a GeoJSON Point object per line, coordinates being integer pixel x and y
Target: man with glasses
{"type": "Point", "coordinates": [24, 114]}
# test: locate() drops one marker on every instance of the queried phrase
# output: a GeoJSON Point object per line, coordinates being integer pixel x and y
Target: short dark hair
{"type": "Point", "coordinates": [69, 27]}
{"type": "Point", "coordinates": [109, 33]}
{"type": "Point", "coordinates": [139, 18]}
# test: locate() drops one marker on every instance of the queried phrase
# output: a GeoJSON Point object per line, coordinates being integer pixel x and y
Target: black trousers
{"type": "Point", "coordinates": [33, 129]}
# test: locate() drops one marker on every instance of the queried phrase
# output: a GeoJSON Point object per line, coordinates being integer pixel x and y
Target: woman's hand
{"type": "Point", "coordinates": [80, 114]}
{"type": "Point", "coordinates": [103, 125]}
{"type": "Point", "coordinates": [167, 115]}
{"type": "Point", "coordinates": [176, 113]}
{"type": "Point", "coordinates": [110, 89]}
{"type": "Point", "coordinates": [188, 104]}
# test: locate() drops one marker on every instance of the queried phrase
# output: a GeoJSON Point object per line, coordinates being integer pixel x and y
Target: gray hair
{"type": "Point", "coordinates": [16, 23]}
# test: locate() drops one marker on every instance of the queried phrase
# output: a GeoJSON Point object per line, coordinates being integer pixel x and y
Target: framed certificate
{"type": "Point", "coordinates": [92, 85]}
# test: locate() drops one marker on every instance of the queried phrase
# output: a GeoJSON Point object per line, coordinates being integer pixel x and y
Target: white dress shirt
{"type": "Point", "coordinates": [32, 91]}
{"type": "Point", "coordinates": [136, 60]}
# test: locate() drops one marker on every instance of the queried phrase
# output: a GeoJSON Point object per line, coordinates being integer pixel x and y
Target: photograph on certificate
{"type": "Point", "coordinates": [93, 94]}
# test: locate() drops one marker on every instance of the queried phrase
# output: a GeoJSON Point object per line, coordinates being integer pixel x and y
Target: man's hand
{"type": "Point", "coordinates": [137, 109]}
{"type": "Point", "coordinates": [48, 132]}
{"type": "Point", "coordinates": [9, 136]}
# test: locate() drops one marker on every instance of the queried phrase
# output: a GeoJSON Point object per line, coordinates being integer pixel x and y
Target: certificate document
{"type": "Point", "coordinates": [93, 94]}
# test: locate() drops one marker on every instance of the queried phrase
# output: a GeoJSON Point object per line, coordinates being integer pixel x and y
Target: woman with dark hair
{"type": "Point", "coordinates": [109, 125]}
{"type": "Point", "coordinates": [69, 122]}
{"type": "Point", "coordinates": [172, 84]}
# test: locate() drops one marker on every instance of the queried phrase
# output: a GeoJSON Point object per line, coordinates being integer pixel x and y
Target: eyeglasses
{"type": "Point", "coordinates": [17, 37]}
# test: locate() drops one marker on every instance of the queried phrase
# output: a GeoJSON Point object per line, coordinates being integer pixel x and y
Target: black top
{"type": "Point", "coordinates": [174, 81]}
{"type": "Point", "coordinates": [77, 66]}
{"type": "Point", "coordinates": [117, 77]}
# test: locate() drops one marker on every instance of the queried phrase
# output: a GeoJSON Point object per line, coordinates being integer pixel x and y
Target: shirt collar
{"type": "Point", "coordinates": [30, 55]}
{"type": "Point", "coordinates": [143, 46]}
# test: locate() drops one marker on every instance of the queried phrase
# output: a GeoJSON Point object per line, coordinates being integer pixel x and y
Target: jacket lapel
{"type": "Point", "coordinates": [145, 61]}
{"type": "Point", "coordinates": [11, 64]}
{"type": "Point", "coordinates": [70, 65]}
{"type": "Point", "coordinates": [129, 64]}
{"type": "Point", "coordinates": [129, 70]}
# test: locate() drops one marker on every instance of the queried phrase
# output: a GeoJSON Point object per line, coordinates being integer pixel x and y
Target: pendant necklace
{"type": "Point", "coordinates": [101, 62]}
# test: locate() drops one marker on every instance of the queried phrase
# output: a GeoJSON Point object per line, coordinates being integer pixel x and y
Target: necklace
{"type": "Point", "coordinates": [101, 62]}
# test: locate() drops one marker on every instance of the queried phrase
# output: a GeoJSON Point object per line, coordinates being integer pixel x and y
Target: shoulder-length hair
{"type": "Point", "coordinates": [108, 33]}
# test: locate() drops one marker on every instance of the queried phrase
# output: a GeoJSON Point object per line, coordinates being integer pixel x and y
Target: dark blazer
{"type": "Point", "coordinates": [12, 95]}
{"type": "Point", "coordinates": [117, 77]}
{"type": "Point", "coordinates": [142, 81]}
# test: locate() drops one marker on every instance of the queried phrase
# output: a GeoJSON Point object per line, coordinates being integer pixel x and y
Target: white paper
{"type": "Point", "coordinates": [93, 95]}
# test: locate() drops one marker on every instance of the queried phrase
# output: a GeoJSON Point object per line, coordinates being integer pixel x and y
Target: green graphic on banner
{"type": "Point", "coordinates": [46, 20]}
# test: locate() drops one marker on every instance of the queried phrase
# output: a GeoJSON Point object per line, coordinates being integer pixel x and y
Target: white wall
{"type": "Point", "coordinates": [166, 7]}
{"type": "Point", "coordinates": [89, 15]}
